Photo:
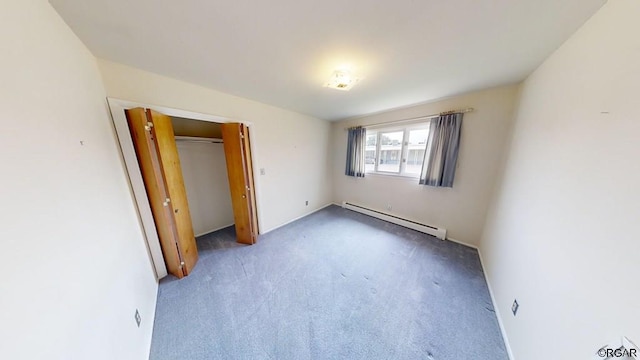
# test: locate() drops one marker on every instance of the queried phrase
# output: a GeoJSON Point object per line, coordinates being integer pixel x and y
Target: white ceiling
{"type": "Point", "coordinates": [280, 52]}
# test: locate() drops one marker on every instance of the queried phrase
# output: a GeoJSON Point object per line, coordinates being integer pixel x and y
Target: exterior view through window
{"type": "Point", "coordinates": [396, 150]}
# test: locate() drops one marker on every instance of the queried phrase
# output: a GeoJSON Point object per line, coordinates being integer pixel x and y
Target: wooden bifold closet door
{"type": "Point", "coordinates": [237, 149]}
{"type": "Point", "coordinates": [155, 146]}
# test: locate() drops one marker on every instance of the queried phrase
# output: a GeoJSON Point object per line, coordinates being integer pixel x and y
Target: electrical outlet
{"type": "Point", "coordinates": [262, 171]}
{"type": "Point", "coordinates": [389, 207]}
{"type": "Point", "coordinates": [514, 307]}
{"type": "Point", "coordinates": [306, 203]}
{"type": "Point", "coordinates": [138, 318]}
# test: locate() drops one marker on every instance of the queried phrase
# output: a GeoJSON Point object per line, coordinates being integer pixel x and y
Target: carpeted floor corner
{"type": "Point", "coordinates": [333, 285]}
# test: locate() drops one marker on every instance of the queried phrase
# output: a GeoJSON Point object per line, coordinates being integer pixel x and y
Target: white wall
{"type": "Point", "coordinates": [562, 236]}
{"type": "Point", "coordinates": [292, 148]}
{"type": "Point", "coordinates": [74, 262]}
{"type": "Point", "coordinates": [204, 169]}
{"type": "Point", "coordinates": [461, 209]}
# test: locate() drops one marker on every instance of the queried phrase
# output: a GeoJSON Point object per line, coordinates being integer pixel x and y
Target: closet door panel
{"type": "Point", "coordinates": [246, 147]}
{"type": "Point", "coordinates": [237, 155]}
{"type": "Point", "coordinates": [157, 155]}
{"type": "Point", "coordinates": [149, 163]}
{"type": "Point", "coordinates": [178, 204]}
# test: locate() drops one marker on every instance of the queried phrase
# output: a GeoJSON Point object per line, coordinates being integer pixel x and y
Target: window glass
{"type": "Point", "coordinates": [396, 151]}
{"type": "Point", "coordinates": [390, 151]}
{"type": "Point", "coordinates": [370, 152]}
{"type": "Point", "coordinates": [415, 152]}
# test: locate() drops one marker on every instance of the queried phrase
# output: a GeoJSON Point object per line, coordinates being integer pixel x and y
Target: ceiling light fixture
{"type": "Point", "coordinates": [342, 80]}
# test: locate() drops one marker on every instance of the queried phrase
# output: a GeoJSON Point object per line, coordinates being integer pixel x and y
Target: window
{"type": "Point", "coordinates": [396, 150]}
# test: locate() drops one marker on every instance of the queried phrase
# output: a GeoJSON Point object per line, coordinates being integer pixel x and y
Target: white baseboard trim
{"type": "Point", "coordinates": [438, 232]}
{"type": "Point", "coordinates": [216, 229]}
{"type": "Point", "coordinates": [495, 308]}
{"type": "Point", "coordinates": [463, 243]}
{"type": "Point", "coordinates": [298, 218]}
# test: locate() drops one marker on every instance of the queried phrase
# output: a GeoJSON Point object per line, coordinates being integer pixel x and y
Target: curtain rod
{"type": "Point", "coordinates": [198, 139]}
{"type": "Point", "coordinates": [419, 118]}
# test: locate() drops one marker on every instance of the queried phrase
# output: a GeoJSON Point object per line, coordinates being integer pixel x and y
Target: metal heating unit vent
{"type": "Point", "coordinates": [440, 233]}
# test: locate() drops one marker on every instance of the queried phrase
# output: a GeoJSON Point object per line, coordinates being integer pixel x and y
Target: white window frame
{"type": "Point", "coordinates": [404, 150]}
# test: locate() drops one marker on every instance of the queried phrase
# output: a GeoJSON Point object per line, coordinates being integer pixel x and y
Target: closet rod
{"type": "Point", "coordinates": [198, 139]}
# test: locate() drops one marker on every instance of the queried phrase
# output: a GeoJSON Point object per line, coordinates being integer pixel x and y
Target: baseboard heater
{"type": "Point", "coordinates": [440, 233]}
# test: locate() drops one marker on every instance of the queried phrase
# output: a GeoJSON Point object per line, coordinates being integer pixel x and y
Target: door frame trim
{"type": "Point", "coordinates": [134, 176]}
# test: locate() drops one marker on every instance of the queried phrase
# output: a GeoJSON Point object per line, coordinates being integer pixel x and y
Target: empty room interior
{"type": "Point", "coordinates": [320, 180]}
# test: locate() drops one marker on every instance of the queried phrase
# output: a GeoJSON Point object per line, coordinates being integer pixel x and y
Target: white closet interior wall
{"type": "Point", "coordinates": [205, 176]}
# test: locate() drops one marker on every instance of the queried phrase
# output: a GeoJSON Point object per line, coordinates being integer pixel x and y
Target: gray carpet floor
{"type": "Point", "coordinates": [334, 285]}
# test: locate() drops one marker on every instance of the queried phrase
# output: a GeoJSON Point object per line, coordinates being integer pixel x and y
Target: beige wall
{"type": "Point", "coordinates": [204, 169]}
{"type": "Point", "coordinates": [461, 209]}
{"type": "Point", "coordinates": [74, 262]}
{"type": "Point", "coordinates": [292, 148]}
{"type": "Point", "coordinates": [563, 235]}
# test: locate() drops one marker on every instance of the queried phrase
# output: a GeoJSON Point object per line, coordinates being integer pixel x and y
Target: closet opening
{"type": "Point", "coordinates": [204, 170]}
{"type": "Point", "coordinates": [190, 174]}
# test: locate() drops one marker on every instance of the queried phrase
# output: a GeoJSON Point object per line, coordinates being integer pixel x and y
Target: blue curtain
{"type": "Point", "coordinates": [439, 166]}
{"type": "Point", "coordinates": [355, 152]}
